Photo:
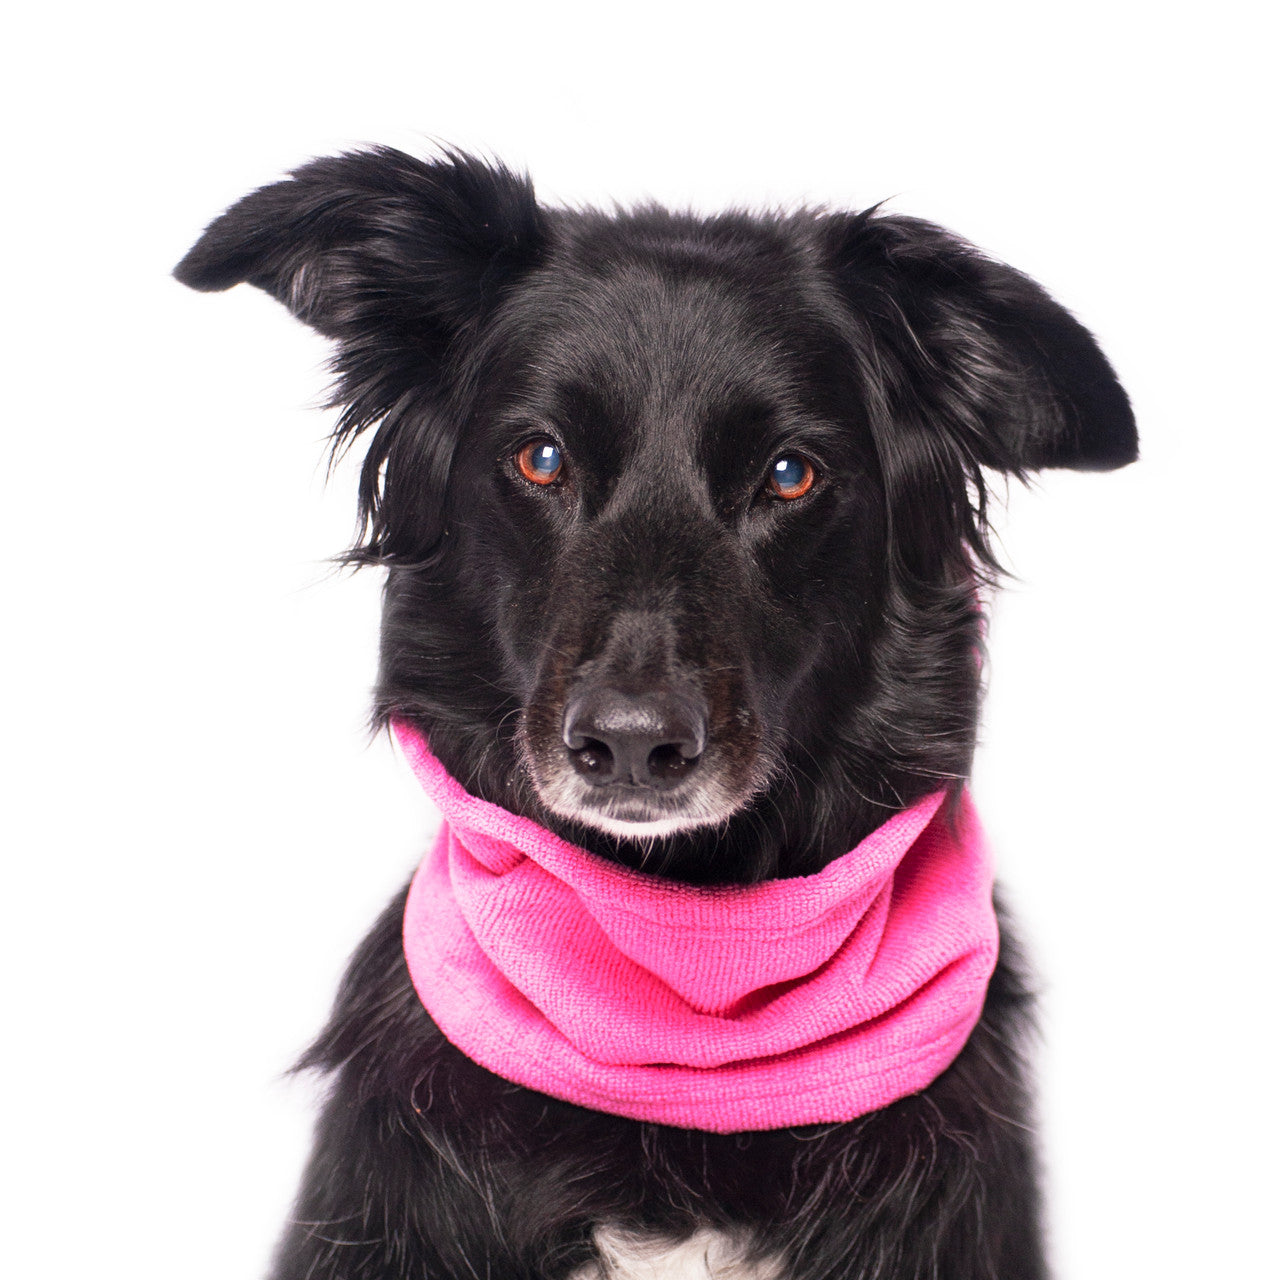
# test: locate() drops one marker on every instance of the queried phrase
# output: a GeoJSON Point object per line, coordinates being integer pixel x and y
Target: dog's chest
{"type": "Point", "coordinates": [705, 1255]}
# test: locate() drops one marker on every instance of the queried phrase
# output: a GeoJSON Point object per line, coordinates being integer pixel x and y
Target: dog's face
{"type": "Point", "coordinates": [673, 502]}
{"type": "Point", "coordinates": [679, 514]}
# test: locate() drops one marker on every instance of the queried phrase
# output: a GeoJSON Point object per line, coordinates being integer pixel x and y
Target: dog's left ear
{"type": "Point", "coordinates": [983, 351]}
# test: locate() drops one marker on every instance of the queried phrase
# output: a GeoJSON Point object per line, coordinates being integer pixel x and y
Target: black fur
{"type": "Point", "coordinates": [833, 640]}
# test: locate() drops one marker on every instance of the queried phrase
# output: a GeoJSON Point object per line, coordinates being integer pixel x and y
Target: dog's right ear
{"type": "Point", "coordinates": [398, 260]}
{"type": "Point", "coordinates": [377, 240]}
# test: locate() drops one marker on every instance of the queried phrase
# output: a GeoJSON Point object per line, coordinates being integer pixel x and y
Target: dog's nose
{"type": "Point", "coordinates": [651, 739]}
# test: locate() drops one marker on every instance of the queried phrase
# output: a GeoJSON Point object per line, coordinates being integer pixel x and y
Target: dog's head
{"type": "Point", "coordinates": [683, 517]}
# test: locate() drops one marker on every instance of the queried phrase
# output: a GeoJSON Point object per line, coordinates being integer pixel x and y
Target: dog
{"type": "Point", "coordinates": [684, 526]}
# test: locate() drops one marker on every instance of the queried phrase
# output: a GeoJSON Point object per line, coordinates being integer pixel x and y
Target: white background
{"type": "Point", "coordinates": [202, 829]}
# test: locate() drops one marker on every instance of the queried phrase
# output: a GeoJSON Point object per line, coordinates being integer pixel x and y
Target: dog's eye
{"type": "Point", "coordinates": [791, 476]}
{"type": "Point", "coordinates": [540, 461]}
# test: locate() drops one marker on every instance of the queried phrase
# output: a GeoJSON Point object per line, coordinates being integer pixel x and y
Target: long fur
{"type": "Point", "coordinates": [835, 641]}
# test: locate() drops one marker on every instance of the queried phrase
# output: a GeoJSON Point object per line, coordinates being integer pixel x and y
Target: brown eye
{"type": "Point", "coordinates": [539, 461]}
{"type": "Point", "coordinates": [791, 476]}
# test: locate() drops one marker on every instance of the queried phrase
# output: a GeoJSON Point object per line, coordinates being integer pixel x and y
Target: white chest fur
{"type": "Point", "coordinates": [705, 1255]}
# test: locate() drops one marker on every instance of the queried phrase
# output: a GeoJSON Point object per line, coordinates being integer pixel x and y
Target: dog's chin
{"type": "Point", "coordinates": [636, 813]}
{"type": "Point", "coordinates": [632, 829]}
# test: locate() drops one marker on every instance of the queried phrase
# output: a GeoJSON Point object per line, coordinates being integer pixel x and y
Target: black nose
{"type": "Point", "coordinates": [650, 739]}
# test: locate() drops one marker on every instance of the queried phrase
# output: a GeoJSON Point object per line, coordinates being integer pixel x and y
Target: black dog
{"type": "Point", "coordinates": [728, 470]}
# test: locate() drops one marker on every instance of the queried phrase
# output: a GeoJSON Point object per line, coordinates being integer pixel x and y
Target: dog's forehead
{"type": "Point", "coordinates": [671, 335]}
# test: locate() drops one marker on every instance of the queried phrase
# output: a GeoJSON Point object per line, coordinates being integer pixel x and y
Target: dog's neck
{"type": "Point", "coordinates": [725, 1008]}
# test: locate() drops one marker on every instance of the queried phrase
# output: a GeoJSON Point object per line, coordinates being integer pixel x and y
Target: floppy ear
{"type": "Point", "coordinates": [981, 350]}
{"type": "Point", "coordinates": [399, 261]}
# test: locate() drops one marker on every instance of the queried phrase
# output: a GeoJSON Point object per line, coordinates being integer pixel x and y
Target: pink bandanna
{"type": "Point", "coordinates": [745, 1007]}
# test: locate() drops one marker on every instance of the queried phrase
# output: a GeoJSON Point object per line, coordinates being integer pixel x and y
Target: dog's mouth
{"type": "Point", "coordinates": [636, 764]}
{"type": "Point", "coordinates": [630, 811]}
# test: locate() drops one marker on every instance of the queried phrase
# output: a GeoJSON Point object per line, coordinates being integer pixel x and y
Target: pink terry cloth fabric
{"type": "Point", "coordinates": [788, 1002]}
